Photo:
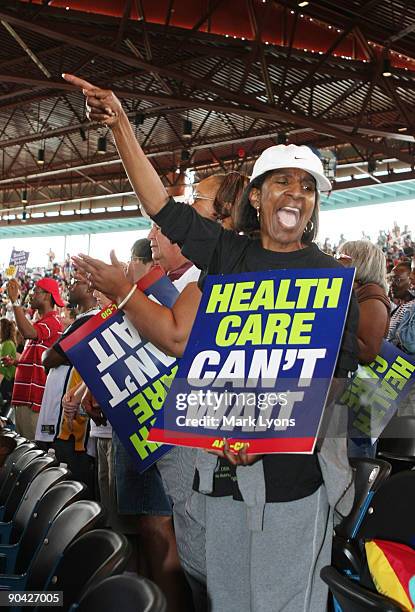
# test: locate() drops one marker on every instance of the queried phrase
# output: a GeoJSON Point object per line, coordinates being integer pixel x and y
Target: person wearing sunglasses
{"type": "Point", "coordinates": [215, 198]}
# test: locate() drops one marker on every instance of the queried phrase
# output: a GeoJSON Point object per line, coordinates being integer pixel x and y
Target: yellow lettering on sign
{"type": "Point", "coordinates": [300, 327]}
{"type": "Point", "coordinates": [142, 410]}
{"type": "Point", "coordinates": [403, 367]}
{"type": "Point", "coordinates": [282, 302]}
{"type": "Point", "coordinates": [264, 296]}
{"type": "Point", "coordinates": [305, 285]}
{"type": "Point", "coordinates": [330, 293]}
{"type": "Point", "coordinates": [243, 292]}
{"type": "Point", "coordinates": [143, 447]}
{"type": "Point", "coordinates": [220, 297]}
{"type": "Point", "coordinates": [223, 336]}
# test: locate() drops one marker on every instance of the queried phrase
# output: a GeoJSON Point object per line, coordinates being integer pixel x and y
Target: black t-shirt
{"type": "Point", "coordinates": [218, 251]}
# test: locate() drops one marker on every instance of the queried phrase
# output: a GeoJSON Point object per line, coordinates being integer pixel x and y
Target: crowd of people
{"type": "Point", "coordinates": [396, 244]}
{"type": "Point", "coordinates": [216, 531]}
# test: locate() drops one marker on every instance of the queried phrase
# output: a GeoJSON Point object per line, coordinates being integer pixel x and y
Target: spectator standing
{"type": "Point", "coordinates": [402, 294]}
{"type": "Point", "coordinates": [144, 495]}
{"type": "Point", "coordinates": [140, 262]}
{"type": "Point", "coordinates": [7, 356]}
{"type": "Point", "coordinates": [69, 439]}
{"type": "Point", "coordinates": [402, 334]}
{"type": "Point", "coordinates": [30, 377]}
{"type": "Point", "coordinates": [370, 287]}
{"type": "Point", "coordinates": [371, 291]}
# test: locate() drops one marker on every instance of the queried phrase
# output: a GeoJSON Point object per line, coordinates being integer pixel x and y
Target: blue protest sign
{"type": "Point", "coordinates": [127, 375]}
{"type": "Point", "coordinates": [259, 361]}
{"type": "Point", "coordinates": [376, 391]}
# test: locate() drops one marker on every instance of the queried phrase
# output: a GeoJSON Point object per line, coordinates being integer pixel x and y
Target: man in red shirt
{"type": "Point", "coordinates": [30, 378]}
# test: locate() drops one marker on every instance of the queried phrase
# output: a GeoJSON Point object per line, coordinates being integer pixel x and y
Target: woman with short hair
{"type": "Point", "coordinates": [371, 288]}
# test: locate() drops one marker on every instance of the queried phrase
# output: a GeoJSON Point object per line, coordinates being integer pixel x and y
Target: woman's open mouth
{"type": "Point", "coordinates": [288, 216]}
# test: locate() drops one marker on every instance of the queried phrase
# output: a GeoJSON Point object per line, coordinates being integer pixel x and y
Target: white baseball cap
{"type": "Point", "coordinates": [292, 156]}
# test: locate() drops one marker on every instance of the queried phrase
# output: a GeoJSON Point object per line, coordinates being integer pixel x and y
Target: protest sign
{"type": "Point", "coordinates": [127, 375]}
{"type": "Point", "coordinates": [259, 361]}
{"type": "Point", "coordinates": [376, 391]}
{"type": "Point", "coordinates": [18, 259]}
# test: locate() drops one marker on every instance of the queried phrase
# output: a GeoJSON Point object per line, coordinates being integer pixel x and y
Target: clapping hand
{"type": "Point", "coordinates": [110, 279]}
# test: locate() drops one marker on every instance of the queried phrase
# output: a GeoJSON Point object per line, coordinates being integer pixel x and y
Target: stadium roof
{"type": "Point", "coordinates": [243, 74]}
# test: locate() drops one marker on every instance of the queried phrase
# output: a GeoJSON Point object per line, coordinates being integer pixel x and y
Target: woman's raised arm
{"type": "Point", "coordinates": [103, 106]}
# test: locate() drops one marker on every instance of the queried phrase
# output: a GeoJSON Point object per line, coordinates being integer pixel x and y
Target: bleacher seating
{"type": "Point", "coordinates": [51, 538]}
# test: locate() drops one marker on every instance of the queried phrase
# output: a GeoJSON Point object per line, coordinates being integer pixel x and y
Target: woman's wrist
{"type": "Point", "coordinates": [122, 123]}
{"type": "Point", "coordinates": [124, 294]}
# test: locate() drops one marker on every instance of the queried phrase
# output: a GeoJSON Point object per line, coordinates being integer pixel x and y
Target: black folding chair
{"type": "Point", "coordinates": [14, 476]}
{"type": "Point", "coordinates": [10, 435]}
{"type": "Point", "coordinates": [126, 593]}
{"type": "Point", "coordinates": [12, 458]}
{"type": "Point", "coordinates": [11, 531]}
{"type": "Point", "coordinates": [21, 440]}
{"type": "Point", "coordinates": [18, 555]}
{"type": "Point", "coordinates": [397, 443]}
{"type": "Point", "coordinates": [93, 556]}
{"type": "Point", "coordinates": [370, 474]}
{"type": "Point", "coordinates": [352, 597]}
{"type": "Point", "coordinates": [76, 519]}
{"type": "Point", "coordinates": [7, 446]}
{"type": "Point", "coordinates": [28, 474]}
{"type": "Point", "coordinates": [8, 431]}
{"type": "Point", "coordinates": [390, 515]}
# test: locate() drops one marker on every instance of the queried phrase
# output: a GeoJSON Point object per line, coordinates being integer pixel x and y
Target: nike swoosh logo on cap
{"type": "Point", "coordinates": [299, 157]}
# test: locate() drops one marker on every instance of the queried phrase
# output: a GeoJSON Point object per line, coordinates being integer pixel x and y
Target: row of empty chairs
{"type": "Point", "coordinates": [52, 538]}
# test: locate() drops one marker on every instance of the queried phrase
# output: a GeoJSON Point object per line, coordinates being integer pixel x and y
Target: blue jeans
{"type": "Point", "coordinates": [138, 493]}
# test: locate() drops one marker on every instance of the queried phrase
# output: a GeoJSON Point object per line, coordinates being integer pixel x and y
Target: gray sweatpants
{"type": "Point", "coordinates": [273, 570]}
{"type": "Point", "coordinates": [177, 470]}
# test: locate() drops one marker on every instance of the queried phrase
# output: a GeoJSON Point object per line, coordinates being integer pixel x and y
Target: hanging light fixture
{"type": "Point", "coordinates": [102, 145]}
{"type": "Point", "coordinates": [24, 195]}
{"type": "Point", "coordinates": [41, 156]}
{"type": "Point", "coordinates": [187, 128]}
{"type": "Point", "coordinates": [82, 133]}
{"type": "Point", "coordinates": [371, 165]}
{"type": "Point", "coordinates": [387, 68]}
